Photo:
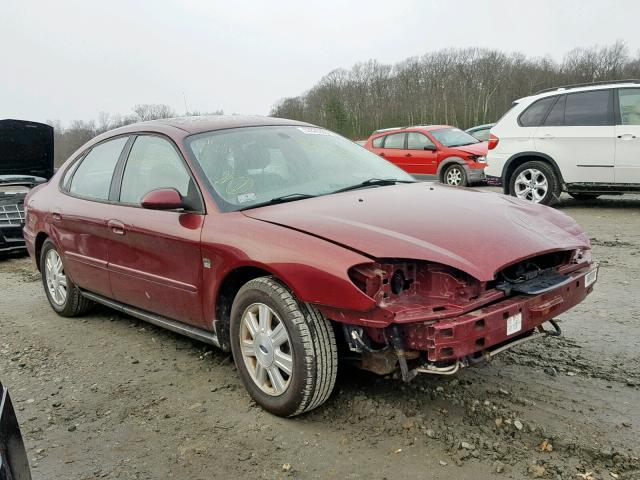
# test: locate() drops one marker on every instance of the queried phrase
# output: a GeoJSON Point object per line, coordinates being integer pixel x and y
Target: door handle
{"type": "Point", "coordinates": [408, 155]}
{"type": "Point", "coordinates": [381, 154]}
{"type": "Point", "coordinates": [627, 136]}
{"type": "Point", "coordinates": [116, 226]}
{"type": "Point", "coordinates": [56, 214]}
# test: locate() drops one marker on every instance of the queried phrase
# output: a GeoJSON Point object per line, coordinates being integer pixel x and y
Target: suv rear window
{"type": "Point", "coordinates": [535, 113]}
{"type": "Point", "coordinates": [589, 108]}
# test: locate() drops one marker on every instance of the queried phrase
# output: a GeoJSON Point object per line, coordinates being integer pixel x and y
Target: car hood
{"type": "Point", "coordinates": [26, 148]}
{"type": "Point", "coordinates": [475, 148]}
{"type": "Point", "coordinates": [477, 232]}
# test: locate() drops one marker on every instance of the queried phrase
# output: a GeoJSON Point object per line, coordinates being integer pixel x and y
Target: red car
{"type": "Point", "coordinates": [433, 152]}
{"type": "Point", "coordinates": [281, 241]}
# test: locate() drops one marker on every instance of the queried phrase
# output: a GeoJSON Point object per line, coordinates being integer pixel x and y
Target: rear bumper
{"type": "Point", "coordinates": [478, 331]}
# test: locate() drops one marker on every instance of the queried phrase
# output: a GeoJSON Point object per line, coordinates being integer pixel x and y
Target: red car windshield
{"type": "Point", "coordinates": [453, 137]}
{"type": "Point", "coordinates": [255, 165]}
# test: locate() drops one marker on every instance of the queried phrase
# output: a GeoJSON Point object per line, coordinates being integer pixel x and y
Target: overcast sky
{"type": "Point", "coordinates": [72, 59]}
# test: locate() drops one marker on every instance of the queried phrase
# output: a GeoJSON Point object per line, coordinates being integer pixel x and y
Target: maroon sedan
{"type": "Point", "coordinates": [281, 242]}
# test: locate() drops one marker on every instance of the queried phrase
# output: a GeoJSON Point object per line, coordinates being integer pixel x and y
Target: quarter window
{"type": "Point", "coordinates": [588, 108]}
{"type": "Point", "coordinates": [153, 163]}
{"type": "Point", "coordinates": [556, 115]}
{"type": "Point", "coordinates": [629, 102]}
{"type": "Point", "coordinates": [535, 113]}
{"type": "Point", "coordinates": [377, 142]}
{"type": "Point", "coordinates": [394, 141]}
{"type": "Point", "coordinates": [418, 141]}
{"type": "Point", "coordinates": [92, 178]}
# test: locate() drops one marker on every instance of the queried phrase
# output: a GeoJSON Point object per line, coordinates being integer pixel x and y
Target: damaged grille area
{"type": "Point", "coordinates": [534, 275]}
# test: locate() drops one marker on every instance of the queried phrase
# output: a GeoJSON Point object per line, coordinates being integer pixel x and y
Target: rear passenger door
{"type": "Point", "coordinates": [79, 218]}
{"type": "Point", "coordinates": [578, 134]}
{"type": "Point", "coordinates": [155, 262]}
{"type": "Point", "coordinates": [627, 168]}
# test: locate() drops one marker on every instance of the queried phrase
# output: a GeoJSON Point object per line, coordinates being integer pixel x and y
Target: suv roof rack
{"type": "Point", "coordinates": [389, 129]}
{"type": "Point", "coordinates": [588, 84]}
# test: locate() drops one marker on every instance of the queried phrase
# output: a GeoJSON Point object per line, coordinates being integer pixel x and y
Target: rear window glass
{"type": "Point", "coordinates": [394, 141]}
{"type": "Point", "coordinates": [377, 142]}
{"type": "Point", "coordinates": [629, 102]}
{"type": "Point", "coordinates": [92, 178]}
{"type": "Point", "coordinates": [535, 113]}
{"type": "Point", "coordinates": [588, 108]}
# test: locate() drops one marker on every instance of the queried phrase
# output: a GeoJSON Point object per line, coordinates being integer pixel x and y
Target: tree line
{"type": "Point", "coordinates": [68, 139]}
{"type": "Point", "coordinates": [461, 87]}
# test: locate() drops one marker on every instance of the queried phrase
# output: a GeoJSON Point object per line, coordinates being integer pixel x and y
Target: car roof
{"type": "Point", "coordinates": [427, 128]}
{"type": "Point", "coordinates": [480, 127]}
{"type": "Point", "coordinates": [201, 124]}
{"type": "Point", "coordinates": [576, 89]}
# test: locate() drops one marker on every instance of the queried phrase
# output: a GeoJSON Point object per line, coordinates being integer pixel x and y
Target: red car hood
{"type": "Point", "coordinates": [475, 148]}
{"type": "Point", "coordinates": [476, 232]}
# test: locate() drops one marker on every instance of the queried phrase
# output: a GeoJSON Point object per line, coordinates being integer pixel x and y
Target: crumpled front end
{"type": "Point", "coordinates": [435, 319]}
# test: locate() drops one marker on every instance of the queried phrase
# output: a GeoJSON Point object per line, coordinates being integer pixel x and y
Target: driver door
{"type": "Point", "coordinates": [154, 259]}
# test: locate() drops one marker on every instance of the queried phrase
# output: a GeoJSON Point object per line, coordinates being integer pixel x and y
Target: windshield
{"type": "Point", "coordinates": [453, 137]}
{"type": "Point", "coordinates": [254, 165]}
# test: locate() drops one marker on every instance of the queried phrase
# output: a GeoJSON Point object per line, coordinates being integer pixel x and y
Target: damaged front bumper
{"type": "Point", "coordinates": [443, 346]}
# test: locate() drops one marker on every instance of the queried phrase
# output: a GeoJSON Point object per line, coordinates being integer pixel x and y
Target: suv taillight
{"type": "Point", "coordinates": [493, 141]}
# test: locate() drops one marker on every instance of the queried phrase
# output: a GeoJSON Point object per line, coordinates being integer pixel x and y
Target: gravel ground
{"type": "Point", "coordinates": [106, 396]}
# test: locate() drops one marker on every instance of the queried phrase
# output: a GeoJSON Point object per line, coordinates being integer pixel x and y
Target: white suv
{"type": "Point", "coordinates": [581, 139]}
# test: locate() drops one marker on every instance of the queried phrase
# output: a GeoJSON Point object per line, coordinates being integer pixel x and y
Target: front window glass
{"type": "Point", "coordinates": [418, 141]}
{"type": "Point", "coordinates": [629, 99]}
{"type": "Point", "coordinates": [453, 137]}
{"type": "Point", "coordinates": [92, 178]}
{"type": "Point", "coordinates": [153, 163]}
{"type": "Point", "coordinates": [253, 165]}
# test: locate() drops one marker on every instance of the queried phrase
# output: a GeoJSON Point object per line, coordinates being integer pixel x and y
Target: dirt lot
{"type": "Point", "coordinates": [106, 396]}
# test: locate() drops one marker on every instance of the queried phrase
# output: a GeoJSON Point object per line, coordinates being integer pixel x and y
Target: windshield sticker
{"type": "Point", "coordinates": [316, 131]}
{"type": "Point", "coordinates": [246, 197]}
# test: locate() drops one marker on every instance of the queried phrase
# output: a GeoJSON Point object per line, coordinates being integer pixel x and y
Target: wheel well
{"type": "Point", "coordinates": [516, 162]}
{"type": "Point", "coordinates": [445, 166]}
{"type": "Point", "coordinates": [226, 294]}
{"type": "Point", "coordinates": [40, 238]}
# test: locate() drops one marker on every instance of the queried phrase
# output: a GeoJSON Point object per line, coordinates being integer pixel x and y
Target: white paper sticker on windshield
{"type": "Point", "coordinates": [315, 131]}
{"type": "Point", "coordinates": [246, 197]}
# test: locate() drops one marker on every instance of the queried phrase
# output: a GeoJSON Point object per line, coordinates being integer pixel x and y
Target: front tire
{"type": "Point", "coordinates": [284, 349]}
{"type": "Point", "coordinates": [63, 295]}
{"type": "Point", "coordinates": [536, 182]}
{"type": "Point", "coordinates": [455, 175]}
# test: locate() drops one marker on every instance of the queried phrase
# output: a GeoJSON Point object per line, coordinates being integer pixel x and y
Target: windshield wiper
{"type": "Point", "coordinates": [373, 182]}
{"type": "Point", "coordinates": [283, 199]}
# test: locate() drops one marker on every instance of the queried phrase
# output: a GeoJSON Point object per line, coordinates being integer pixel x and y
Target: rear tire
{"type": "Point", "coordinates": [536, 182]}
{"type": "Point", "coordinates": [455, 175]}
{"type": "Point", "coordinates": [286, 372]}
{"type": "Point", "coordinates": [584, 196]}
{"type": "Point", "coordinates": [63, 295]}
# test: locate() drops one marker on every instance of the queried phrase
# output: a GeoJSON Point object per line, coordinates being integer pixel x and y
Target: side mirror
{"type": "Point", "coordinates": [430, 147]}
{"type": "Point", "coordinates": [162, 199]}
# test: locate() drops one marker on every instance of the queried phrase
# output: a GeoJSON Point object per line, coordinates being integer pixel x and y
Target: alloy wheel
{"type": "Point", "coordinates": [532, 185]}
{"type": "Point", "coordinates": [266, 349]}
{"type": "Point", "coordinates": [454, 177]}
{"type": "Point", "coordinates": [55, 277]}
